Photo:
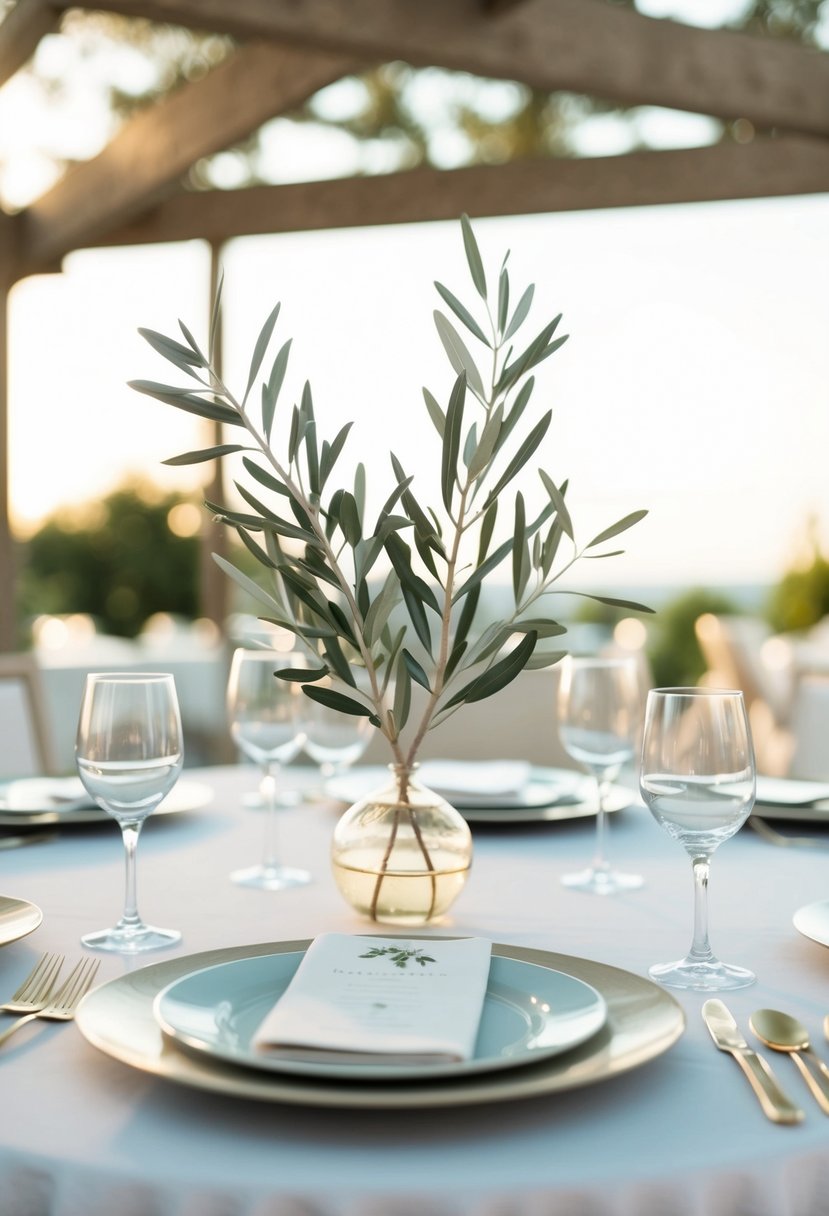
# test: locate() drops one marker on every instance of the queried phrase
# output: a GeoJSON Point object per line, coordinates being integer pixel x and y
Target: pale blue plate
{"type": "Point", "coordinates": [530, 1013]}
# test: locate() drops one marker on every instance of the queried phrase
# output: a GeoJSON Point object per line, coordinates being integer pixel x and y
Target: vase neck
{"type": "Point", "coordinates": [405, 778]}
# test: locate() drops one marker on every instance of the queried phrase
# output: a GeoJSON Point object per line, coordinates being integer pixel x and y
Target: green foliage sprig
{"type": "Point", "coordinates": [322, 554]}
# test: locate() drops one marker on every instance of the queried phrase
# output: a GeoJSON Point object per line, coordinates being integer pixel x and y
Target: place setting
{"type": "Point", "coordinates": [368, 1021]}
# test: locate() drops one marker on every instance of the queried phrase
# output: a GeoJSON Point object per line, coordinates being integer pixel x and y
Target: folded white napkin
{"type": "Point", "coordinates": [480, 778]}
{"type": "Point", "coordinates": [46, 794]}
{"type": "Point", "coordinates": [787, 792]}
{"type": "Point", "coordinates": [380, 1000]}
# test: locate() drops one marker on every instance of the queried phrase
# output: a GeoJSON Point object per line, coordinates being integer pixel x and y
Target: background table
{"type": "Point", "coordinates": [84, 1135]}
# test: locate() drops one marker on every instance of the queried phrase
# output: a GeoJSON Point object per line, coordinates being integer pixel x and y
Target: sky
{"type": "Point", "coordinates": [694, 383]}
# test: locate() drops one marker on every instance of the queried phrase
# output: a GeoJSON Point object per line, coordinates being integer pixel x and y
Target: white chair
{"type": "Point", "coordinates": [810, 729]}
{"type": "Point", "coordinates": [25, 745]}
{"type": "Point", "coordinates": [732, 647]}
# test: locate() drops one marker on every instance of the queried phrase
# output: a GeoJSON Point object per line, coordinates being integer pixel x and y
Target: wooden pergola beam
{"type": "Point", "coordinates": [764, 168]}
{"type": "Point", "coordinates": [157, 146]}
{"type": "Point", "coordinates": [587, 46]}
{"type": "Point", "coordinates": [8, 620]}
{"type": "Point", "coordinates": [22, 30]}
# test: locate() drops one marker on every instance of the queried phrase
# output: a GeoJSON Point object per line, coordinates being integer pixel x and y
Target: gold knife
{"type": "Point", "coordinates": [727, 1036]}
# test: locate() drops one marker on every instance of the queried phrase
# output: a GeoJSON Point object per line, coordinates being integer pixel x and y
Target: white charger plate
{"type": "Point", "coordinates": [530, 1012]}
{"type": "Point", "coordinates": [813, 921]}
{"type": "Point", "coordinates": [644, 1021]}
{"type": "Point", "coordinates": [35, 801]}
{"type": "Point", "coordinates": [17, 918]}
{"type": "Point", "coordinates": [551, 794]}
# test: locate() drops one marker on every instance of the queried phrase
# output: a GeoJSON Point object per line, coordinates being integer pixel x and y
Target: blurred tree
{"type": "Point", "coordinates": [673, 650]}
{"type": "Point", "coordinates": [120, 560]}
{"type": "Point", "coordinates": [801, 598]}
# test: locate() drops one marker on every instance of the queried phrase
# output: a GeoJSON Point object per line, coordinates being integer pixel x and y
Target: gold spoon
{"type": "Point", "coordinates": [781, 1032]}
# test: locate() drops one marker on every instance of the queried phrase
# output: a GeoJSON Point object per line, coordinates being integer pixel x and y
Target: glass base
{"type": "Point", "coordinates": [702, 976]}
{"type": "Point", "coordinates": [132, 940]}
{"type": "Point", "coordinates": [602, 882]}
{"type": "Point", "coordinates": [270, 878]}
{"type": "Point", "coordinates": [254, 801]}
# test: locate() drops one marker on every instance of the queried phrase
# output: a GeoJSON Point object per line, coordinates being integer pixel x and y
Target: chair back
{"type": "Point", "coordinates": [25, 749]}
{"type": "Point", "coordinates": [810, 729]}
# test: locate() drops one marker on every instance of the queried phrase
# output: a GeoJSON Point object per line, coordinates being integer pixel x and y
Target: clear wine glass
{"type": "Point", "coordinates": [333, 740]}
{"type": "Point", "coordinates": [698, 779]}
{"type": "Point", "coordinates": [267, 725]}
{"type": "Point", "coordinates": [599, 716]}
{"type": "Point", "coordinates": [129, 754]}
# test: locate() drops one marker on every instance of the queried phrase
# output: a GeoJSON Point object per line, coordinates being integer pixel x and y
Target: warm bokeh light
{"type": "Point", "coordinates": [184, 519]}
{"type": "Point", "coordinates": [630, 634]}
{"type": "Point", "coordinates": [59, 632]}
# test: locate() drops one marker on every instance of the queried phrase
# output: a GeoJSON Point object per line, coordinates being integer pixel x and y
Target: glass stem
{"type": "Point", "coordinates": [130, 918]}
{"type": "Point", "coordinates": [599, 861]}
{"type": "Point", "coordinates": [701, 949]}
{"type": "Point", "coordinates": [268, 791]}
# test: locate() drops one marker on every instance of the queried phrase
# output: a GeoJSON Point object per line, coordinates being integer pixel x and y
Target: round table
{"type": "Point", "coordinates": [82, 1134]}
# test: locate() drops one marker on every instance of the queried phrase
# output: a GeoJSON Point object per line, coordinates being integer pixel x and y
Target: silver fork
{"type": "Point", "coordinates": [34, 992]}
{"type": "Point", "coordinates": [61, 1006]}
{"type": "Point", "coordinates": [767, 832]}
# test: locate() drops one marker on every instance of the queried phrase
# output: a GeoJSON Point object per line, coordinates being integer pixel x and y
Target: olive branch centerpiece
{"type": "Point", "coordinates": [385, 602]}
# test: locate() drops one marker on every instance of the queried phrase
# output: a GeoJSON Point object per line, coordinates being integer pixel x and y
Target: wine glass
{"type": "Point", "coordinates": [698, 779]}
{"type": "Point", "coordinates": [599, 715]}
{"type": "Point", "coordinates": [266, 724]}
{"type": "Point", "coordinates": [129, 754]}
{"type": "Point", "coordinates": [334, 740]}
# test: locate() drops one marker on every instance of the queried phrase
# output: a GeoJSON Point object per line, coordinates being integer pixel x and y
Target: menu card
{"type": "Point", "coordinates": [380, 1000]}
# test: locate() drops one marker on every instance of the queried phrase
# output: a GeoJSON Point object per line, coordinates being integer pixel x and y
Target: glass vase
{"type": "Point", "coordinates": [401, 855]}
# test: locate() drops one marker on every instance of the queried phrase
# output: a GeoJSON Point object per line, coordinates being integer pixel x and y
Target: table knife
{"type": "Point", "coordinates": [726, 1035]}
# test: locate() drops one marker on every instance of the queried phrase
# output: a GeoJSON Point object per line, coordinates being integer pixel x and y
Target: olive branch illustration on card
{"type": "Point", "coordinates": [398, 956]}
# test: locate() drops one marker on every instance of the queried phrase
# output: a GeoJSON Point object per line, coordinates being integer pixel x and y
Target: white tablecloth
{"type": "Point", "coordinates": [84, 1135]}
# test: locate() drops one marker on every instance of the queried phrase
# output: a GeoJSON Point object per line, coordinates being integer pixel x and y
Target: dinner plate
{"type": "Point", "coordinates": [42, 800]}
{"type": "Point", "coordinates": [643, 1021]}
{"type": "Point", "coordinates": [551, 794]}
{"type": "Point", "coordinates": [17, 918]}
{"type": "Point", "coordinates": [529, 1013]}
{"type": "Point", "coordinates": [813, 921]}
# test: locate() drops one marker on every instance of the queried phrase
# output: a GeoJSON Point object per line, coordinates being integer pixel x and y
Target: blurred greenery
{"type": "Point", "coordinates": [801, 598]}
{"type": "Point", "coordinates": [117, 560]}
{"type": "Point", "coordinates": [673, 650]}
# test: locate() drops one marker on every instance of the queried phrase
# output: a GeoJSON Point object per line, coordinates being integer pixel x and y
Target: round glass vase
{"type": "Point", "coordinates": [401, 855]}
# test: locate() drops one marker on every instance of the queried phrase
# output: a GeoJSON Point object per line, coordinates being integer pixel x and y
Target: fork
{"type": "Point", "coordinates": [767, 832]}
{"type": "Point", "coordinates": [34, 992]}
{"type": "Point", "coordinates": [61, 1006]}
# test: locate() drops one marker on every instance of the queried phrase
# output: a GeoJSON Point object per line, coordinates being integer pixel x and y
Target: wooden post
{"type": "Point", "coordinates": [8, 615]}
{"type": "Point", "coordinates": [215, 585]}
